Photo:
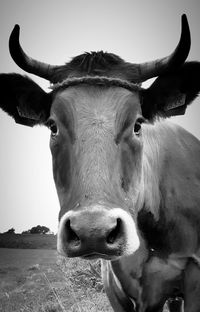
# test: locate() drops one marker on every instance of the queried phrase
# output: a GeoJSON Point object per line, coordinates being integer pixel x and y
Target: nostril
{"type": "Point", "coordinates": [115, 233]}
{"type": "Point", "coordinates": [72, 237]}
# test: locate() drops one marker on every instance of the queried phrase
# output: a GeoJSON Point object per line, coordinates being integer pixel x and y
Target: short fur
{"type": "Point", "coordinates": [162, 169]}
{"type": "Point", "coordinates": [24, 100]}
{"type": "Point", "coordinates": [96, 63]}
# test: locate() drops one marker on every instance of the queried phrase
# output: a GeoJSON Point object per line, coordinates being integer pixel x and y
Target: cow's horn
{"type": "Point", "coordinates": [163, 65]}
{"type": "Point", "coordinates": [24, 61]}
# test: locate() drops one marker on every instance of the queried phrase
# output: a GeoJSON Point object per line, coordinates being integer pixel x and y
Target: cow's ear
{"type": "Point", "coordinates": [170, 94]}
{"type": "Point", "coordinates": [24, 100]}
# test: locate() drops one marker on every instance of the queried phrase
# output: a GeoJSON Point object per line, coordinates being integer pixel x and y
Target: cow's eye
{"type": "Point", "coordinates": [53, 127]}
{"type": "Point", "coordinates": [137, 126]}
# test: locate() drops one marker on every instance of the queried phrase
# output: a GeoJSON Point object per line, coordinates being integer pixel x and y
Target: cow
{"type": "Point", "coordinates": [127, 179]}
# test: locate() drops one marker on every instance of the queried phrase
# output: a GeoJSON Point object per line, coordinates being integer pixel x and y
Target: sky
{"type": "Point", "coordinates": [53, 32]}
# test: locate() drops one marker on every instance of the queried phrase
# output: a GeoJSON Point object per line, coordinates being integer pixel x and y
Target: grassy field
{"type": "Point", "coordinates": [28, 241]}
{"type": "Point", "coordinates": [39, 281]}
{"type": "Point", "coordinates": [34, 279]}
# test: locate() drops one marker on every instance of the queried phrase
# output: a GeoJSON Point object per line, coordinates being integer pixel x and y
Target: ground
{"type": "Point", "coordinates": [28, 241]}
{"type": "Point", "coordinates": [38, 281]}
{"type": "Point", "coordinates": [33, 278]}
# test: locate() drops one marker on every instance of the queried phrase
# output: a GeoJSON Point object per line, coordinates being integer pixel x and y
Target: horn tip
{"type": "Point", "coordinates": [14, 38]}
{"type": "Point", "coordinates": [184, 19]}
{"type": "Point", "coordinates": [186, 28]}
{"type": "Point", "coordinates": [16, 28]}
{"type": "Point", "coordinates": [15, 32]}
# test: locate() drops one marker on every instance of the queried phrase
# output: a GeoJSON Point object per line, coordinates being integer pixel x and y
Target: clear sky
{"type": "Point", "coordinates": [53, 32]}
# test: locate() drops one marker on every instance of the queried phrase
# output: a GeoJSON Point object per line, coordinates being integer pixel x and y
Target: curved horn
{"type": "Point", "coordinates": [178, 57]}
{"type": "Point", "coordinates": [24, 61]}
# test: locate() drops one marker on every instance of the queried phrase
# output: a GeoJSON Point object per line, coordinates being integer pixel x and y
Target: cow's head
{"type": "Point", "coordinates": [95, 113]}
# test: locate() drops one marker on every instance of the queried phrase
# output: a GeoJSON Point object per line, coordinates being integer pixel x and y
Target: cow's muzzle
{"type": "Point", "coordinates": [97, 232]}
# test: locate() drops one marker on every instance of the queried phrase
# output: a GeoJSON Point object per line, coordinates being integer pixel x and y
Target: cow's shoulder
{"type": "Point", "coordinates": [170, 217]}
{"type": "Point", "coordinates": [171, 160]}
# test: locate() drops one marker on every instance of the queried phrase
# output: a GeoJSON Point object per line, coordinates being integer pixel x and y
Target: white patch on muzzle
{"type": "Point", "coordinates": [61, 232]}
{"type": "Point", "coordinates": [132, 242]}
{"type": "Point", "coordinates": [129, 227]}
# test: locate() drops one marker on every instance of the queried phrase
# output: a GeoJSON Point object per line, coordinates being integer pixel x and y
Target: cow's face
{"type": "Point", "coordinates": [96, 146]}
{"type": "Point", "coordinates": [96, 139]}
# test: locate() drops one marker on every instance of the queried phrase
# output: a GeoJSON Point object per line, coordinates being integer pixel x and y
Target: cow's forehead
{"type": "Point", "coordinates": [94, 102]}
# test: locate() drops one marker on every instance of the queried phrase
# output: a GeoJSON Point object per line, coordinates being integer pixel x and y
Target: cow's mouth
{"type": "Point", "coordinates": [95, 256]}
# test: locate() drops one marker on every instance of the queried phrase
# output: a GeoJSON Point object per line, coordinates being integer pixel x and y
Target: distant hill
{"type": "Point", "coordinates": [28, 241]}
